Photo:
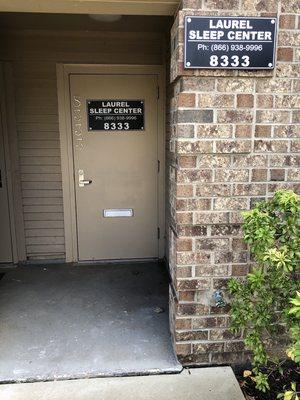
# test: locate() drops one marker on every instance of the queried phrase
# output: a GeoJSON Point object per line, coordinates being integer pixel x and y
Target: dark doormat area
{"type": "Point", "coordinates": [65, 322]}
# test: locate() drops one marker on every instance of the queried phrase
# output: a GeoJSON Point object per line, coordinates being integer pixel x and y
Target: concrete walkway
{"type": "Point", "coordinates": [195, 384]}
{"type": "Point", "coordinates": [63, 322]}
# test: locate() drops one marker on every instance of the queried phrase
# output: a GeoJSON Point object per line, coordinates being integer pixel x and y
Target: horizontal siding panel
{"type": "Point", "coordinates": [29, 127]}
{"type": "Point", "coordinates": [43, 216]}
{"type": "Point", "coordinates": [83, 47]}
{"type": "Point", "coordinates": [36, 102]}
{"type": "Point", "coordinates": [34, 70]}
{"type": "Point", "coordinates": [47, 240]}
{"type": "Point", "coordinates": [37, 106]}
{"type": "Point", "coordinates": [36, 135]}
{"type": "Point", "coordinates": [39, 144]}
{"type": "Point", "coordinates": [42, 193]}
{"type": "Point", "coordinates": [37, 118]}
{"type": "Point", "coordinates": [45, 161]}
{"type": "Point", "coordinates": [35, 96]}
{"type": "Point", "coordinates": [37, 83]}
{"type": "Point", "coordinates": [38, 177]}
{"type": "Point", "coordinates": [45, 249]}
{"type": "Point", "coordinates": [41, 169]}
{"type": "Point", "coordinates": [37, 92]}
{"type": "Point", "coordinates": [130, 54]}
{"type": "Point", "coordinates": [40, 201]}
{"type": "Point", "coordinates": [43, 209]}
{"type": "Point", "coordinates": [41, 185]}
{"type": "Point", "coordinates": [48, 232]}
{"type": "Point", "coordinates": [44, 224]}
{"type": "Point", "coordinates": [39, 152]}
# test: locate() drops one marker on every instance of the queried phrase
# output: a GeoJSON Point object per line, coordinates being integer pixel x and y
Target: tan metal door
{"type": "Point", "coordinates": [117, 212]}
{"type": "Point", "coordinates": [5, 234]}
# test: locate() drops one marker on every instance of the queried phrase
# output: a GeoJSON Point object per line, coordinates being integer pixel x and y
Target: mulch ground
{"type": "Point", "coordinates": [277, 383]}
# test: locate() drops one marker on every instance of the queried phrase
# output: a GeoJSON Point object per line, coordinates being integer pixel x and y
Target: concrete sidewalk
{"type": "Point", "coordinates": [86, 321]}
{"type": "Point", "coordinates": [195, 384]}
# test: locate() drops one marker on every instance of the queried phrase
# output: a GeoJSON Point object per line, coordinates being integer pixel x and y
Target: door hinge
{"type": "Point", "coordinates": [158, 166]}
{"type": "Point", "coordinates": [158, 233]}
{"type": "Point", "coordinates": [158, 92]}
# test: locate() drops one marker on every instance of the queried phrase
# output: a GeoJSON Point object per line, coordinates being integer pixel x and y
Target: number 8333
{"type": "Point", "coordinates": [226, 61]}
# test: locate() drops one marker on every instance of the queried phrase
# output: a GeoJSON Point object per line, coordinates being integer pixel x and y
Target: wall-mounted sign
{"type": "Point", "coordinates": [115, 115]}
{"type": "Point", "coordinates": [230, 42]}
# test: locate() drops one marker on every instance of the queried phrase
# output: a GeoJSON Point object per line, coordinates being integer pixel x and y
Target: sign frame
{"type": "Point", "coordinates": [193, 67]}
{"type": "Point", "coordinates": [91, 130]}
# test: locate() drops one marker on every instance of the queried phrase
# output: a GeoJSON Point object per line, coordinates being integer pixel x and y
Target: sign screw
{"type": "Point", "coordinates": [189, 20]}
{"type": "Point", "coordinates": [270, 65]}
{"type": "Point", "coordinates": [188, 64]}
{"type": "Point", "coordinates": [273, 21]}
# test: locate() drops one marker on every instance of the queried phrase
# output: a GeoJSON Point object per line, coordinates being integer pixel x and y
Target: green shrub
{"type": "Point", "coordinates": [260, 307]}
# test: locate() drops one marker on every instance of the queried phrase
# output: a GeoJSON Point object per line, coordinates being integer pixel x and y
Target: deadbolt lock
{"type": "Point", "coordinates": [81, 181]}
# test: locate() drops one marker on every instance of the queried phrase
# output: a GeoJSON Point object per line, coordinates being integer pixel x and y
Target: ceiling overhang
{"type": "Point", "coordinates": [126, 7]}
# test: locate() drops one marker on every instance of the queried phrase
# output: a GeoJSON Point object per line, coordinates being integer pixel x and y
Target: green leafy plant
{"type": "Point", "coordinates": [291, 394]}
{"type": "Point", "coordinates": [294, 311]}
{"type": "Point", "coordinates": [260, 308]}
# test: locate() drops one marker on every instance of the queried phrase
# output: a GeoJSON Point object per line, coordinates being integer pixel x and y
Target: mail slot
{"type": "Point", "coordinates": [118, 212]}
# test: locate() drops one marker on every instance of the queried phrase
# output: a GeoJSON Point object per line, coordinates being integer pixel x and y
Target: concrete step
{"type": "Point", "coordinates": [215, 383]}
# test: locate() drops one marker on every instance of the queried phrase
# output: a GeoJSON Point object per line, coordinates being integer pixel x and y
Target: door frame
{"type": "Point", "coordinates": [66, 143]}
{"type": "Point", "coordinates": [13, 181]}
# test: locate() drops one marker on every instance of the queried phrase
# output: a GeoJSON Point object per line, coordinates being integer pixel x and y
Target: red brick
{"type": "Point", "coordinates": [187, 161]}
{"type": "Point", "coordinates": [186, 100]}
{"type": "Point", "coordinates": [287, 21]}
{"type": "Point", "coordinates": [263, 131]}
{"type": "Point", "coordinates": [183, 349]}
{"type": "Point", "coordinates": [183, 323]}
{"type": "Point", "coordinates": [197, 230]}
{"type": "Point", "coordinates": [243, 131]}
{"type": "Point", "coordinates": [184, 244]}
{"type": "Point", "coordinates": [285, 54]}
{"type": "Point", "coordinates": [184, 217]}
{"type": "Point", "coordinates": [208, 347]}
{"type": "Point", "coordinates": [264, 101]}
{"type": "Point", "coordinates": [239, 270]}
{"type": "Point", "coordinates": [192, 309]}
{"type": "Point", "coordinates": [184, 190]}
{"type": "Point", "coordinates": [277, 175]}
{"type": "Point", "coordinates": [184, 272]}
{"type": "Point", "coordinates": [196, 284]}
{"type": "Point", "coordinates": [245, 100]}
{"type": "Point", "coordinates": [259, 175]}
{"type": "Point", "coordinates": [187, 296]}
{"type": "Point", "coordinates": [192, 335]}
{"type": "Point", "coordinates": [209, 322]}
{"type": "Point", "coordinates": [194, 359]}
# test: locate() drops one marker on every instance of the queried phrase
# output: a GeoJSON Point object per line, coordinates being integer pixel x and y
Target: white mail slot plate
{"type": "Point", "coordinates": [118, 212]}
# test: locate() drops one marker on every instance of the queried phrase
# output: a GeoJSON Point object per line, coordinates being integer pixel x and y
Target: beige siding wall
{"type": "Point", "coordinates": [34, 56]}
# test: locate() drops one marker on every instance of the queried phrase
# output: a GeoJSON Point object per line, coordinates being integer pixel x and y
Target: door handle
{"type": "Point", "coordinates": [81, 181]}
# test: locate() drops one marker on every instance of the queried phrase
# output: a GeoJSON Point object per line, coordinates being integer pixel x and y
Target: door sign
{"type": "Point", "coordinates": [115, 115]}
{"type": "Point", "coordinates": [230, 42]}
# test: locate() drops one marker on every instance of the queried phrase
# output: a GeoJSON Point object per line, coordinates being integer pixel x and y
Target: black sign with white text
{"type": "Point", "coordinates": [229, 42]}
{"type": "Point", "coordinates": [115, 115]}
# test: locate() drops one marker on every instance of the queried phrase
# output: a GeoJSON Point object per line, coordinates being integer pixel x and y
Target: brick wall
{"type": "Point", "coordinates": [233, 139]}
